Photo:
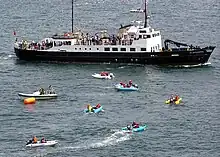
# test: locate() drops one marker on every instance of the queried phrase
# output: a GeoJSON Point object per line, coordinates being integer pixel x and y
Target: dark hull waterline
{"type": "Point", "coordinates": [193, 57]}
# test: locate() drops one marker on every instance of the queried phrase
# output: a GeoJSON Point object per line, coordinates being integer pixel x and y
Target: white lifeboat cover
{"type": "Point", "coordinates": [132, 30]}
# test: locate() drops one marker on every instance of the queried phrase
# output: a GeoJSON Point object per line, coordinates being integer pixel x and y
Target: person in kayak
{"type": "Point", "coordinates": [123, 84]}
{"type": "Point", "coordinates": [129, 84]}
{"type": "Point", "coordinates": [129, 127]}
{"type": "Point", "coordinates": [97, 106]}
{"type": "Point", "coordinates": [172, 99]}
{"type": "Point", "coordinates": [135, 125]}
{"type": "Point", "coordinates": [176, 97]}
{"type": "Point", "coordinates": [34, 139]}
{"type": "Point", "coordinates": [90, 108]}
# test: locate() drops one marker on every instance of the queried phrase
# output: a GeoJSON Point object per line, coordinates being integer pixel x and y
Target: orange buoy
{"type": "Point", "coordinates": [29, 101]}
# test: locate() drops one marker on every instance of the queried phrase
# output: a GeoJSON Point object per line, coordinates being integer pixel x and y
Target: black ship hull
{"type": "Point", "coordinates": [172, 57]}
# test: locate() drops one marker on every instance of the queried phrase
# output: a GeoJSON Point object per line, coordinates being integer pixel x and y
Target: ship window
{"type": "Point", "coordinates": [146, 36]}
{"type": "Point", "coordinates": [140, 36]}
{"type": "Point", "coordinates": [90, 49]}
{"type": "Point", "coordinates": [114, 49]}
{"type": "Point", "coordinates": [107, 49]}
{"type": "Point", "coordinates": [123, 49]}
{"type": "Point", "coordinates": [143, 49]}
{"type": "Point", "coordinates": [79, 48]}
{"type": "Point", "coordinates": [143, 31]}
{"type": "Point", "coordinates": [75, 48]}
{"type": "Point", "coordinates": [85, 48]}
{"type": "Point", "coordinates": [97, 48]}
{"type": "Point", "coordinates": [132, 49]}
{"type": "Point", "coordinates": [158, 34]}
{"type": "Point", "coordinates": [132, 36]}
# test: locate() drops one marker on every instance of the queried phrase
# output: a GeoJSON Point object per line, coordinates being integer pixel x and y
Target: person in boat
{"type": "Point", "coordinates": [34, 139]}
{"type": "Point", "coordinates": [42, 91]}
{"type": "Point", "coordinates": [129, 127]}
{"type": "Point", "coordinates": [90, 108]}
{"type": "Point", "coordinates": [51, 90]}
{"type": "Point", "coordinates": [176, 97]}
{"type": "Point", "coordinates": [123, 84]}
{"type": "Point", "coordinates": [43, 140]}
{"type": "Point", "coordinates": [97, 106]}
{"type": "Point", "coordinates": [129, 84]}
{"type": "Point", "coordinates": [104, 73]}
{"type": "Point", "coordinates": [135, 125]}
{"type": "Point", "coordinates": [172, 99]}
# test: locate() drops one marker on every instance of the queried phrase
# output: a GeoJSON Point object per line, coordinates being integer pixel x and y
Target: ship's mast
{"type": "Point", "coordinates": [145, 14]}
{"type": "Point", "coordinates": [72, 16]}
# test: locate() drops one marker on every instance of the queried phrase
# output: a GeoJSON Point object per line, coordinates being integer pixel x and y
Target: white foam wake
{"type": "Point", "coordinates": [113, 139]}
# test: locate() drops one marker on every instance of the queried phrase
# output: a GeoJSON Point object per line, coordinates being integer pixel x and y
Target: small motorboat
{"type": "Point", "coordinates": [39, 144]}
{"type": "Point", "coordinates": [94, 110]}
{"type": "Point", "coordinates": [174, 102]}
{"type": "Point", "coordinates": [139, 129]}
{"type": "Point", "coordinates": [103, 76]}
{"type": "Point", "coordinates": [120, 87]}
{"type": "Point", "coordinates": [38, 96]}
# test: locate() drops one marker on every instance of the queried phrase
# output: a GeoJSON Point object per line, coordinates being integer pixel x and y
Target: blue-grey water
{"type": "Point", "coordinates": [189, 130]}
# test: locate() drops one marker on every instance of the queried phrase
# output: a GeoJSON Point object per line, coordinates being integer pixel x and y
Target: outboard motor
{"type": "Point", "coordinates": [29, 142]}
{"type": "Point", "coordinates": [135, 85]}
{"type": "Point", "coordinates": [111, 75]}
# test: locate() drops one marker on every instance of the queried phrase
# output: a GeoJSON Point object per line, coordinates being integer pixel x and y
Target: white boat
{"type": "Point", "coordinates": [38, 96]}
{"type": "Point", "coordinates": [39, 144]}
{"type": "Point", "coordinates": [135, 43]}
{"type": "Point", "coordinates": [99, 76]}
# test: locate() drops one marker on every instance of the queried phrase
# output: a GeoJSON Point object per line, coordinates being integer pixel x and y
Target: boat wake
{"type": "Point", "coordinates": [193, 66]}
{"type": "Point", "coordinates": [113, 139]}
{"type": "Point", "coordinates": [5, 56]}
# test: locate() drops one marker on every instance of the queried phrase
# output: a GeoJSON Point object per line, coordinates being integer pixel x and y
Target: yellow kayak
{"type": "Point", "coordinates": [176, 102]}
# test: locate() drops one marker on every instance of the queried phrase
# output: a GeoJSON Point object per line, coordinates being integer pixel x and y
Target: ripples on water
{"type": "Point", "coordinates": [191, 129]}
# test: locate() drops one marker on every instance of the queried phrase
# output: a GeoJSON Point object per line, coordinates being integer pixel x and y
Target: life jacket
{"type": "Point", "coordinates": [90, 108]}
{"type": "Point", "coordinates": [176, 98]}
{"type": "Point", "coordinates": [98, 106]}
{"type": "Point", "coordinates": [35, 139]}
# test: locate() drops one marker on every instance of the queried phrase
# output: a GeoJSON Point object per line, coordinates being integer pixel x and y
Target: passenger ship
{"type": "Point", "coordinates": [135, 43]}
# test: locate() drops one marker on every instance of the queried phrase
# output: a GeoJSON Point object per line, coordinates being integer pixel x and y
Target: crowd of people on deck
{"type": "Point", "coordinates": [44, 45]}
{"type": "Point", "coordinates": [102, 38]}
